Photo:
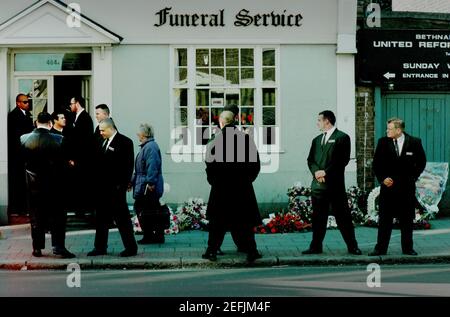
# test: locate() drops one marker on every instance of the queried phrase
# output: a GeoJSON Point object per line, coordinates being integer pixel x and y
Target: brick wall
{"type": "Point", "coordinates": [365, 136]}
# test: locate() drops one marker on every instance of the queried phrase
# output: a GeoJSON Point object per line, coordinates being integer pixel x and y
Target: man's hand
{"type": "Point", "coordinates": [72, 163]}
{"type": "Point", "coordinates": [388, 182]}
{"type": "Point", "coordinates": [149, 188]}
{"type": "Point", "coordinates": [320, 174]}
{"type": "Point", "coordinates": [321, 179]}
{"type": "Point", "coordinates": [129, 187]}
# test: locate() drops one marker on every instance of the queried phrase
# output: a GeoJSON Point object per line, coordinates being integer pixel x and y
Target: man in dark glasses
{"type": "Point", "coordinates": [19, 122]}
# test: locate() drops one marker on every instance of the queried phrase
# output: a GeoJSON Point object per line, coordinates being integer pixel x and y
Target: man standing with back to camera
{"type": "Point", "coordinates": [328, 157]}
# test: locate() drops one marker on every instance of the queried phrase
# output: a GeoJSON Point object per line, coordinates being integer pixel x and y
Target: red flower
{"type": "Point", "coordinates": [263, 230]}
{"type": "Point", "coordinates": [273, 230]}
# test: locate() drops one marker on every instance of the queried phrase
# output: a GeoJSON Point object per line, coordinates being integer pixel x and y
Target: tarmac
{"type": "Point", "coordinates": [184, 250]}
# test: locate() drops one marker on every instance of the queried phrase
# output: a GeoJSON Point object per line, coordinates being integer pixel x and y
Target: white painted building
{"type": "Point", "coordinates": [176, 63]}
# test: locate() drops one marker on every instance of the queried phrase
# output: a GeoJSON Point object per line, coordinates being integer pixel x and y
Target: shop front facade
{"type": "Point", "coordinates": [176, 65]}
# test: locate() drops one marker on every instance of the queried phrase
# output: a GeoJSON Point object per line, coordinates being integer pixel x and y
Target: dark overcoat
{"type": "Point", "coordinates": [232, 165]}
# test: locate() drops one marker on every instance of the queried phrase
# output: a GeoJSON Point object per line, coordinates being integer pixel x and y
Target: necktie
{"type": "Point", "coordinates": [104, 147]}
{"type": "Point", "coordinates": [323, 139]}
{"type": "Point", "coordinates": [396, 147]}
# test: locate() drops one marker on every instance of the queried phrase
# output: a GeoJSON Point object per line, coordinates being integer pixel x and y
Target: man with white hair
{"type": "Point", "coordinates": [232, 165]}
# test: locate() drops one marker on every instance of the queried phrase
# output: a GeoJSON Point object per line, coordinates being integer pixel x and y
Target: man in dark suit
{"type": "Point", "coordinates": [232, 165]}
{"type": "Point", "coordinates": [101, 113]}
{"type": "Point", "coordinates": [398, 162]}
{"type": "Point", "coordinates": [327, 159]}
{"type": "Point", "coordinates": [81, 148]}
{"type": "Point", "coordinates": [44, 163]}
{"type": "Point", "coordinates": [116, 161]}
{"type": "Point", "coordinates": [19, 122]}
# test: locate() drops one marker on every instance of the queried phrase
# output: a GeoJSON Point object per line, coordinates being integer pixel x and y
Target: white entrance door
{"type": "Point", "coordinates": [39, 89]}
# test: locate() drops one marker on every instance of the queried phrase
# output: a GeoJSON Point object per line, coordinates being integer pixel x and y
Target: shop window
{"type": "Point", "coordinates": [208, 79]}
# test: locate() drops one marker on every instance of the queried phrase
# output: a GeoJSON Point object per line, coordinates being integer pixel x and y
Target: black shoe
{"type": "Point", "coordinates": [252, 256]}
{"type": "Point", "coordinates": [127, 253]}
{"type": "Point", "coordinates": [210, 255]}
{"type": "Point", "coordinates": [37, 253]}
{"type": "Point", "coordinates": [220, 252]}
{"type": "Point", "coordinates": [376, 253]}
{"type": "Point", "coordinates": [312, 251]}
{"type": "Point", "coordinates": [96, 252]}
{"type": "Point", "coordinates": [410, 252]}
{"type": "Point", "coordinates": [64, 253]}
{"type": "Point", "coordinates": [355, 251]}
{"type": "Point", "coordinates": [145, 241]}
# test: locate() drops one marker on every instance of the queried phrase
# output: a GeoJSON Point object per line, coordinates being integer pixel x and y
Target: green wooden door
{"type": "Point", "coordinates": [426, 116]}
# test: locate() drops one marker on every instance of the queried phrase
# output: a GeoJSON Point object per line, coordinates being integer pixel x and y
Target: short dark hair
{"type": "Point", "coordinates": [329, 115]}
{"type": "Point", "coordinates": [44, 117]}
{"type": "Point", "coordinates": [103, 107]}
{"type": "Point", "coordinates": [80, 100]}
{"type": "Point", "coordinates": [20, 95]}
{"type": "Point", "coordinates": [56, 113]}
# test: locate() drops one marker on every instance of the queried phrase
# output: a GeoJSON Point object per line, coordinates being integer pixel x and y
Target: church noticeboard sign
{"type": "Point", "coordinates": [403, 56]}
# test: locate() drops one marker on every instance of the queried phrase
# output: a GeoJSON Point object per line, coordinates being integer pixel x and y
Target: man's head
{"type": "Point", "coordinates": [77, 103]}
{"type": "Point", "coordinates": [101, 112]}
{"type": "Point", "coordinates": [326, 120]}
{"type": "Point", "coordinates": [395, 128]}
{"type": "Point", "coordinates": [44, 120]}
{"type": "Point", "coordinates": [59, 119]}
{"type": "Point", "coordinates": [22, 102]}
{"type": "Point", "coordinates": [233, 108]}
{"type": "Point", "coordinates": [225, 118]}
{"type": "Point", "coordinates": [107, 128]}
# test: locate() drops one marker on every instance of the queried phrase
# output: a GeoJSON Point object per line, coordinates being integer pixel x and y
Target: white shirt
{"type": "Point", "coordinates": [110, 140]}
{"type": "Point", "coordinates": [77, 115]}
{"type": "Point", "coordinates": [328, 135]}
{"type": "Point", "coordinates": [400, 142]}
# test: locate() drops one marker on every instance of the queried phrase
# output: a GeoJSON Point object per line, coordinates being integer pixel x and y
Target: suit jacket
{"type": "Point", "coordinates": [43, 159]}
{"type": "Point", "coordinates": [18, 124]}
{"type": "Point", "coordinates": [81, 137]}
{"type": "Point", "coordinates": [333, 157]}
{"type": "Point", "coordinates": [404, 169]}
{"type": "Point", "coordinates": [116, 164]}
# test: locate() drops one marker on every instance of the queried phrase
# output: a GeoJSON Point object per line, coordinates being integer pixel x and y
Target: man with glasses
{"type": "Point", "coordinates": [19, 122]}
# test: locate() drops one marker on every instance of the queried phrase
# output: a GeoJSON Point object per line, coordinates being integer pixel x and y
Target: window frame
{"type": "Point", "coordinates": [191, 86]}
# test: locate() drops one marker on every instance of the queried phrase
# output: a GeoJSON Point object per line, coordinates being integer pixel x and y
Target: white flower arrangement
{"type": "Point", "coordinates": [331, 222]}
{"type": "Point", "coordinates": [192, 214]}
{"type": "Point", "coordinates": [372, 211]}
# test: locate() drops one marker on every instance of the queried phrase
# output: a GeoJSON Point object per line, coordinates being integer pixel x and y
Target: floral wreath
{"type": "Point", "coordinates": [372, 211]}
{"type": "Point", "coordinates": [420, 220]}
